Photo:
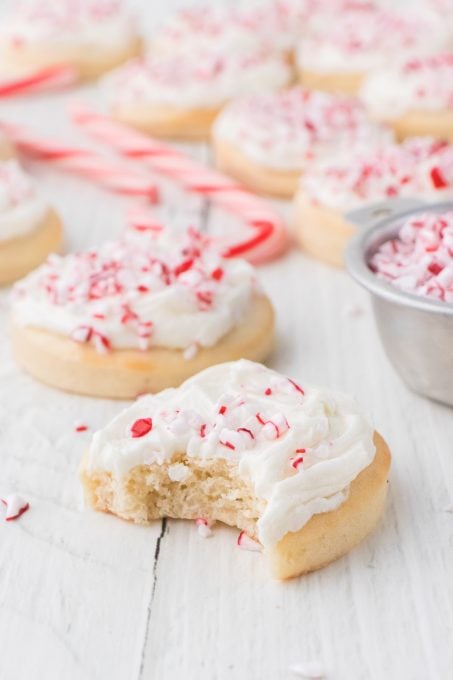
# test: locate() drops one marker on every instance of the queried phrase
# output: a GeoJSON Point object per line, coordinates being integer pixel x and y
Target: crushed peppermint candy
{"type": "Point", "coordinates": [298, 459]}
{"type": "Point", "coordinates": [145, 289]}
{"type": "Point", "coordinates": [46, 17]}
{"type": "Point", "coordinates": [421, 167]}
{"type": "Point", "coordinates": [419, 259]}
{"type": "Point", "coordinates": [80, 427]}
{"type": "Point", "coordinates": [245, 542]}
{"type": "Point", "coordinates": [234, 426]}
{"type": "Point", "coordinates": [15, 506]}
{"type": "Point", "coordinates": [204, 527]}
{"type": "Point", "coordinates": [205, 76]}
{"type": "Point", "coordinates": [422, 83]}
{"type": "Point", "coordinates": [234, 25]}
{"type": "Point", "coordinates": [431, 78]}
{"type": "Point", "coordinates": [291, 128]}
{"type": "Point", "coordinates": [365, 34]}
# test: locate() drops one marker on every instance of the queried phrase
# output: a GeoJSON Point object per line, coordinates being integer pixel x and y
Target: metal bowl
{"type": "Point", "coordinates": [417, 332]}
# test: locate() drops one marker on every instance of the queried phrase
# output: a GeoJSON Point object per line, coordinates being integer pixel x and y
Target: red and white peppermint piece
{"type": "Point", "coordinates": [276, 426]}
{"type": "Point", "coordinates": [245, 542]}
{"type": "Point", "coordinates": [297, 387]}
{"type": "Point", "coordinates": [298, 459]}
{"type": "Point", "coordinates": [101, 343]}
{"type": "Point", "coordinates": [141, 427]}
{"type": "Point", "coordinates": [15, 506]}
{"type": "Point", "coordinates": [203, 527]}
{"type": "Point", "coordinates": [82, 334]}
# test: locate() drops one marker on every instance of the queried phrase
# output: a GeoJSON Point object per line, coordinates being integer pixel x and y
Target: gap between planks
{"type": "Point", "coordinates": [163, 532]}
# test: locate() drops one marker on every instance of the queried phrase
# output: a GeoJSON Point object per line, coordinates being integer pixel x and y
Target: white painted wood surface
{"type": "Point", "coordinates": [87, 597]}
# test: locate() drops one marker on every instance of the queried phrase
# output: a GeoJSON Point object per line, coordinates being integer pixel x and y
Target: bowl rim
{"type": "Point", "coordinates": [368, 239]}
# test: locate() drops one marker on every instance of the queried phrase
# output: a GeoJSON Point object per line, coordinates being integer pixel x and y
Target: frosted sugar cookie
{"type": "Point", "coordinates": [138, 314]}
{"type": "Point", "coordinates": [29, 228]}
{"type": "Point", "coordinates": [92, 36]}
{"type": "Point", "coordinates": [179, 95]}
{"type": "Point", "coordinates": [415, 98]}
{"type": "Point", "coordinates": [239, 26]}
{"type": "Point", "coordinates": [336, 53]}
{"type": "Point", "coordinates": [296, 467]}
{"type": "Point", "coordinates": [266, 140]}
{"type": "Point", "coordinates": [421, 168]}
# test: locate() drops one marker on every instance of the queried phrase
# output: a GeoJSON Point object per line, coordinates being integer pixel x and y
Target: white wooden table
{"type": "Point", "coordinates": [87, 597]}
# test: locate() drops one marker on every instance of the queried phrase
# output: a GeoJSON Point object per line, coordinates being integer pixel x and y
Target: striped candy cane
{"type": "Point", "coordinates": [42, 80]}
{"type": "Point", "coordinates": [269, 236]}
{"type": "Point", "coordinates": [85, 163]}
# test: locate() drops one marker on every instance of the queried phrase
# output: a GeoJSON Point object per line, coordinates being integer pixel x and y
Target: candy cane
{"type": "Point", "coordinates": [50, 78]}
{"type": "Point", "coordinates": [269, 237]}
{"type": "Point", "coordinates": [86, 163]}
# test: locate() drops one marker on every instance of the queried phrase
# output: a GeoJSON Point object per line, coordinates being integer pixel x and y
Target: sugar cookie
{"type": "Point", "coordinates": [138, 315]}
{"type": "Point", "coordinates": [296, 467]}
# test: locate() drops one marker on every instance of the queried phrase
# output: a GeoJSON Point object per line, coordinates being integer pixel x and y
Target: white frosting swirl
{"type": "Point", "coordinates": [146, 289]}
{"type": "Point", "coordinates": [80, 23]}
{"type": "Point", "coordinates": [366, 37]}
{"type": "Point", "coordinates": [420, 167]}
{"type": "Point", "coordinates": [421, 84]}
{"type": "Point", "coordinates": [284, 130]}
{"type": "Point", "coordinates": [196, 80]}
{"type": "Point", "coordinates": [298, 446]}
{"type": "Point", "coordinates": [22, 208]}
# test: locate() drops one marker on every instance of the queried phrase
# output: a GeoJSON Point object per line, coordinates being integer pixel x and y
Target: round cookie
{"type": "Point", "coordinates": [232, 27]}
{"type": "Point", "coordinates": [421, 168]}
{"type": "Point", "coordinates": [179, 95]}
{"type": "Point", "coordinates": [266, 140]}
{"type": "Point", "coordinates": [414, 98]}
{"type": "Point", "coordinates": [331, 535]}
{"type": "Point", "coordinates": [93, 36]}
{"type": "Point", "coordinates": [138, 315]}
{"type": "Point", "coordinates": [29, 228]}
{"type": "Point", "coordinates": [336, 55]}
{"type": "Point", "coordinates": [297, 468]}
